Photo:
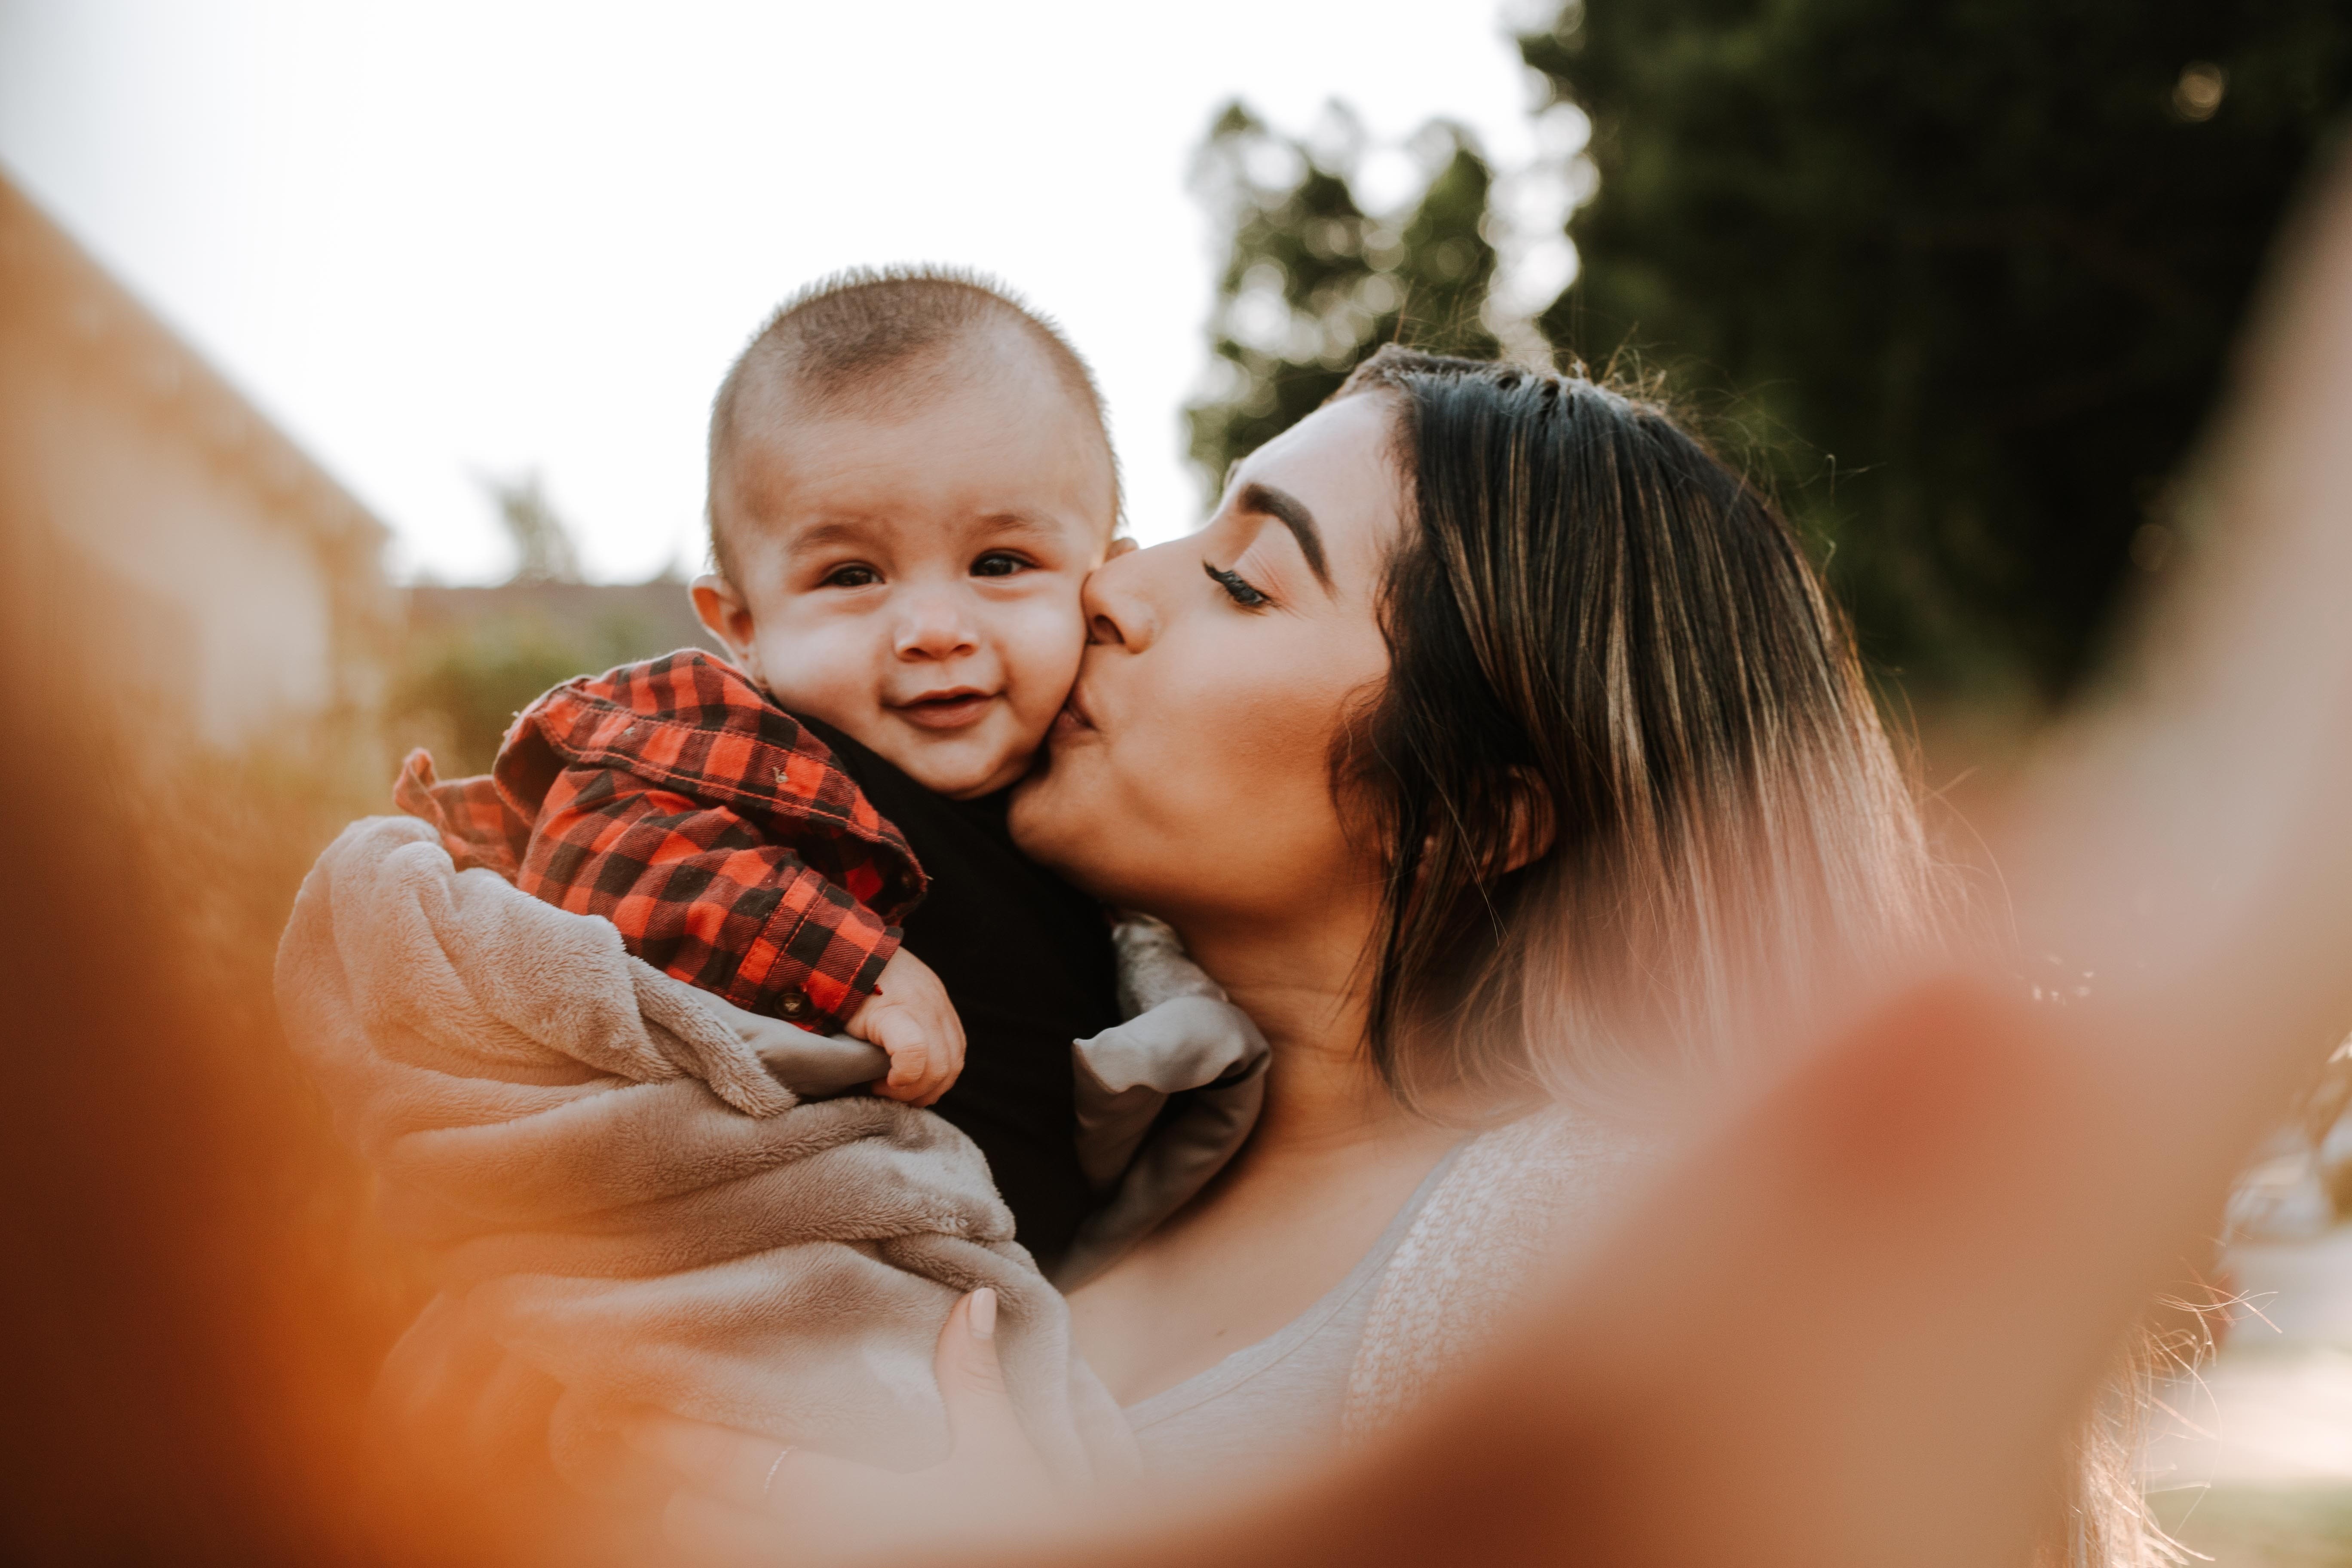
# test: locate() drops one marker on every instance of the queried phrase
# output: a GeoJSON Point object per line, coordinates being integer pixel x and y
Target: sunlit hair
{"type": "Point", "coordinates": [1610, 654]}
{"type": "Point", "coordinates": [863, 339]}
{"type": "Point", "coordinates": [1610, 660]}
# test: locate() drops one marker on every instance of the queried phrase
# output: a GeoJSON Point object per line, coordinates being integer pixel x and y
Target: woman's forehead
{"type": "Point", "coordinates": [1337, 464]}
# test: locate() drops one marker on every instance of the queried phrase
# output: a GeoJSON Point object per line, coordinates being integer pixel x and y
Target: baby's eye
{"type": "Point", "coordinates": [1238, 588]}
{"type": "Point", "coordinates": [998, 563]}
{"type": "Point", "coordinates": [851, 577]}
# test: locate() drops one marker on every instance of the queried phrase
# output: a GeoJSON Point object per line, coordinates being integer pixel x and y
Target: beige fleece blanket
{"type": "Point", "coordinates": [631, 1198]}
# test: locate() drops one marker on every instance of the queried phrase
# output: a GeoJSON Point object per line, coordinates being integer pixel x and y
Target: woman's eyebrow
{"type": "Point", "coordinates": [1286, 509]}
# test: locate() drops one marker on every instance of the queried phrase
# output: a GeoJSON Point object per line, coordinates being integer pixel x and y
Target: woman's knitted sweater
{"type": "Point", "coordinates": [1520, 1198]}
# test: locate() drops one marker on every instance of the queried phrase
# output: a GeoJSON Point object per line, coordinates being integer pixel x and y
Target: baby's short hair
{"type": "Point", "coordinates": [829, 346]}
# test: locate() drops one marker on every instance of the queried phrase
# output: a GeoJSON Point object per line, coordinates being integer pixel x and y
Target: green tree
{"type": "Point", "coordinates": [1314, 282]}
{"type": "Point", "coordinates": [1970, 269]}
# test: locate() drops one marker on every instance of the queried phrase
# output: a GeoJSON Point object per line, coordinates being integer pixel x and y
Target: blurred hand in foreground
{"type": "Point", "coordinates": [747, 1499]}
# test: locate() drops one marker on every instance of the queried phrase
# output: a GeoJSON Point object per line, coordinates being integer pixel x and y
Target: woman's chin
{"type": "Point", "coordinates": [1031, 797]}
{"type": "Point", "coordinates": [1047, 814]}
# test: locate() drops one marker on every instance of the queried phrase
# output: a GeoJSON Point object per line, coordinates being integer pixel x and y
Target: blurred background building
{"type": "Point", "coordinates": [232, 591]}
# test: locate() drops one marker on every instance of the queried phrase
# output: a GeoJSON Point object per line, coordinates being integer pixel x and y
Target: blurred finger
{"type": "Point", "coordinates": [739, 1467]}
{"type": "Point", "coordinates": [972, 1382]}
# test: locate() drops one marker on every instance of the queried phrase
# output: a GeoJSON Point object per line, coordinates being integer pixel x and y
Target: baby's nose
{"type": "Point", "coordinates": [933, 626]}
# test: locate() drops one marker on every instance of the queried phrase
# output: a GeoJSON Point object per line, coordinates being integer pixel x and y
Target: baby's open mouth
{"type": "Point", "coordinates": [946, 709]}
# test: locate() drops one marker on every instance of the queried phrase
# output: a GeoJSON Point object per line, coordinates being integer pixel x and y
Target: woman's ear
{"type": "Point", "coordinates": [1529, 830]}
{"type": "Point", "coordinates": [1533, 826]}
{"type": "Point", "coordinates": [723, 613]}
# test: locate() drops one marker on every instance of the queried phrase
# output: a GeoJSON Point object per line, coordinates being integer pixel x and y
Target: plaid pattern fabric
{"type": "Point", "coordinates": [673, 798]}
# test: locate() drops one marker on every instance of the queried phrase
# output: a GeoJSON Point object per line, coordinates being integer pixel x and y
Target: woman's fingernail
{"type": "Point", "coordinates": [983, 1314]}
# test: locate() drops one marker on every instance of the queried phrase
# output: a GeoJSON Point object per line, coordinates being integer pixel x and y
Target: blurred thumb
{"type": "Point", "coordinates": [971, 1378]}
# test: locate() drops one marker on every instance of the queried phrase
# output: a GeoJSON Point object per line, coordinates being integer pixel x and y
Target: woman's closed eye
{"type": "Point", "coordinates": [1238, 588]}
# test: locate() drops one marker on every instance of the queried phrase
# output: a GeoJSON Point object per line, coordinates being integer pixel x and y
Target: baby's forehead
{"type": "Point", "coordinates": [1008, 456]}
{"type": "Point", "coordinates": [998, 358]}
{"type": "Point", "coordinates": [967, 450]}
{"type": "Point", "coordinates": [904, 488]}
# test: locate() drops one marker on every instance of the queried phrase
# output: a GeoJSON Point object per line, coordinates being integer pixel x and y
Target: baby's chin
{"type": "Point", "coordinates": [960, 767]}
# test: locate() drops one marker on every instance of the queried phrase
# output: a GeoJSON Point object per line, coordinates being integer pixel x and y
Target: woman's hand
{"type": "Point", "coordinates": [745, 1499]}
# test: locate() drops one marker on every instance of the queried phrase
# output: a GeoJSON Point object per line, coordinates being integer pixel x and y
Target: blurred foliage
{"type": "Point", "coordinates": [2307, 1525]}
{"type": "Point", "coordinates": [544, 550]}
{"type": "Point", "coordinates": [477, 657]}
{"type": "Point", "coordinates": [1315, 282]}
{"type": "Point", "coordinates": [1967, 271]}
{"type": "Point", "coordinates": [461, 684]}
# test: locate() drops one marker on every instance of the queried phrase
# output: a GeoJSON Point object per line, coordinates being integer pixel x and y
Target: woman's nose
{"type": "Point", "coordinates": [934, 624]}
{"type": "Point", "coordinates": [1117, 601]}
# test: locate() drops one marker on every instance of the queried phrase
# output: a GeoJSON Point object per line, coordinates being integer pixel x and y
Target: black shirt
{"type": "Point", "coordinates": [1027, 960]}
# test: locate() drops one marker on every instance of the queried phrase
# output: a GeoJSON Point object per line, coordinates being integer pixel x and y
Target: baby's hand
{"type": "Point", "coordinates": [910, 1017]}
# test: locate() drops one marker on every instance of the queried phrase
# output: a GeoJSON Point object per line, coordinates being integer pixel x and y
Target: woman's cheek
{"type": "Point", "coordinates": [1259, 741]}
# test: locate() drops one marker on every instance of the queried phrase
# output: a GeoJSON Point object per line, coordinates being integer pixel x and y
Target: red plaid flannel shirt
{"type": "Point", "coordinates": [724, 841]}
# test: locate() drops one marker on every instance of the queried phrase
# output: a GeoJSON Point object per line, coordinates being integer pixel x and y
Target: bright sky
{"type": "Point", "coordinates": [449, 237]}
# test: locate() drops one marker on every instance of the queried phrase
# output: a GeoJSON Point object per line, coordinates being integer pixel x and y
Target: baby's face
{"type": "Point", "coordinates": [912, 577]}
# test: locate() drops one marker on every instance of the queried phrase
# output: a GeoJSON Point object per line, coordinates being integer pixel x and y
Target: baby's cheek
{"type": "Point", "coordinates": [824, 672]}
{"type": "Point", "coordinates": [1043, 642]}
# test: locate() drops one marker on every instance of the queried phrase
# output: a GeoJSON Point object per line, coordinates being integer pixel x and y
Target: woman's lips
{"type": "Point", "coordinates": [946, 709]}
{"type": "Point", "coordinates": [1073, 719]}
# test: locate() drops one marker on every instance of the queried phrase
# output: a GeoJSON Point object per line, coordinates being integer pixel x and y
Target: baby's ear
{"type": "Point", "coordinates": [723, 613]}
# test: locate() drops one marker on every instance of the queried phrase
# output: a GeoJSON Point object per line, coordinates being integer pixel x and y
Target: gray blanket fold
{"type": "Point", "coordinates": [1163, 1100]}
{"type": "Point", "coordinates": [631, 1195]}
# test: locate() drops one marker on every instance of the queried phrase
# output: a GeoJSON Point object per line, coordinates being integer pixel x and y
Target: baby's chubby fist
{"type": "Point", "coordinates": [910, 1017]}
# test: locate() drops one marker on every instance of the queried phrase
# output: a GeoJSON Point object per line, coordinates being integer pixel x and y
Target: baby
{"type": "Point", "coordinates": [910, 477]}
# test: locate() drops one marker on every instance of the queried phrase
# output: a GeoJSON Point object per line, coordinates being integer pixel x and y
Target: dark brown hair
{"type": "Point", "coordinates": [1611, 659]}
{"type": "Point", "coordinates": [834, 345]}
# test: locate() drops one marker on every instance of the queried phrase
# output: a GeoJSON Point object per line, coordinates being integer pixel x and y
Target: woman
{"type": "Point", "coordinates": [1856, 1325]}
{"type": "Point", "coordinates": [1491, 740]}
{"type": "Point", "coordinates": [1473, 665]}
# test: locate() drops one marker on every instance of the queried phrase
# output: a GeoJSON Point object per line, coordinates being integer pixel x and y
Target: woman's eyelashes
{"type": "Point", "coordinates": [1238, 588]}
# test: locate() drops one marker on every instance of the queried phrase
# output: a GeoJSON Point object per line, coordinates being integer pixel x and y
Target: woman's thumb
{"type": "Point", "coordinates": [971, 1378]}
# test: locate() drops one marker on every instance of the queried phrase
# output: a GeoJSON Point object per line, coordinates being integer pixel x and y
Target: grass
{"type": "Point", "coordinates": [2262, 1527]}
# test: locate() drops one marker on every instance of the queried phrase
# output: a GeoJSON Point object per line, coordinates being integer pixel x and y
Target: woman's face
{"type": "Point", "coordinates": [1190, 775]}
